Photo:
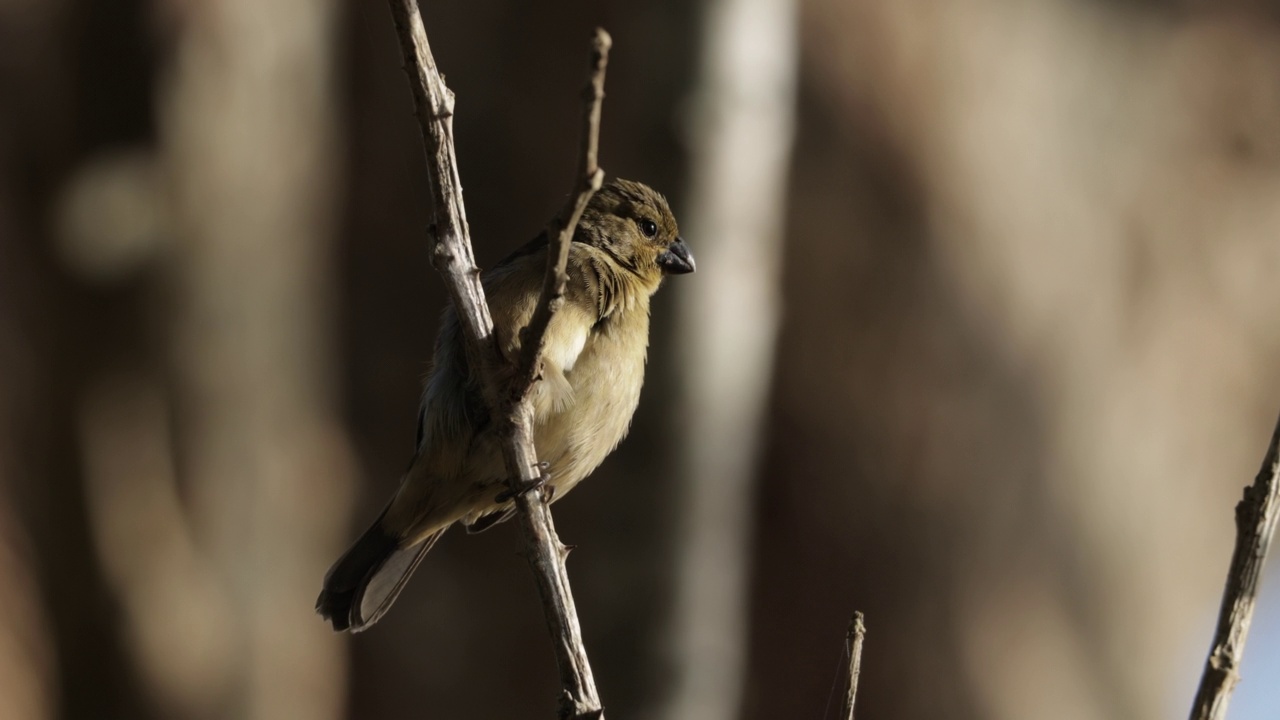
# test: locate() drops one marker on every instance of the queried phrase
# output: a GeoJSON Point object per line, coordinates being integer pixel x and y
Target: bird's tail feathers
{"type": "Point", "coordinates": [362, 585]}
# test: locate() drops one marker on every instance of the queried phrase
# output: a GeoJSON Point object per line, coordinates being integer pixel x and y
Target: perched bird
{"type": "Point", "coordinates": [593, 367]}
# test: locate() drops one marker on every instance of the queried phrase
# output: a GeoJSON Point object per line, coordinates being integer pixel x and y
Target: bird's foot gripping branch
{"type": "Point", "coordinates": [540, 483]}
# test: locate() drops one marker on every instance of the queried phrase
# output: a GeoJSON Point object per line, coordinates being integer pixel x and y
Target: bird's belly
{"type": "Point", "coordinates": [606, 389]}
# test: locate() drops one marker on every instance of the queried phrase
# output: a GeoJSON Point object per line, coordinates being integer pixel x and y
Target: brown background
{"type": "Point", "coordinates": [1027, 355]}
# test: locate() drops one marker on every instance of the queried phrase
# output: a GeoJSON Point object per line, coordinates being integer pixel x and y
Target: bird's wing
{"type": "Point", "coordinates": [513, 288]}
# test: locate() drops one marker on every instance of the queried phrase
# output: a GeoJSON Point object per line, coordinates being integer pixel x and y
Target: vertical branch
{"type": "Point", "coordinates": [451, 253]}
{"type": "Point", "coordinates": [450, 236]}
{"type": "Point", "coordinates": [1256, 516]}
{"type": "Point", "coordinates": [853, 641]}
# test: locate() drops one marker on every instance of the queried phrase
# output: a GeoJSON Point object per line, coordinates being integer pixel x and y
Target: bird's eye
{"type": "Point", "coordinates": [649, 228]}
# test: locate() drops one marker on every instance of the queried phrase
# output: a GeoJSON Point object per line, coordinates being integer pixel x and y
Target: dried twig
{"type": "Point", "coordinates": [560, 232]}
{"type": "Point", "coordinates": [452, 255]}
{"type": "Point", "coordinates": [1256, 516]}
{"type": "Point", "coordinates": [853, 643]}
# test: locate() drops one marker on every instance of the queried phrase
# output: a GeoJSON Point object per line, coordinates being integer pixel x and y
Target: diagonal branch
{"type": "Point", "coordinates": [449, 234]}
{"type": "Point", "coordinates": [853, 644]}
{"type": "Point", "coordinates": [1256, 516]}
{"type": "Point", "coordinates": [560, 232]}
{"type": "Point", "coordinates": [451, 253]}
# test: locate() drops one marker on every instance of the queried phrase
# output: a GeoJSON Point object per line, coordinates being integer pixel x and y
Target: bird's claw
{"type": "Point", "coordinates": [511, 494]}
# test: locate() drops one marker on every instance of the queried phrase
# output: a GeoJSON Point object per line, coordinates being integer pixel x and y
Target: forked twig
{"type": "Point", "coordinates": [452, 255]}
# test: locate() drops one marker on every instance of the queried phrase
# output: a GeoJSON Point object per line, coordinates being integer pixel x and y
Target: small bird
{"type": "Point", "coordinates": [593, 367]}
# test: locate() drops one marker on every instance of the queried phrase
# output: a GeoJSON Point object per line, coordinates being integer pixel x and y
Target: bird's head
{"type": "Point", "coordinates": [633, 224]}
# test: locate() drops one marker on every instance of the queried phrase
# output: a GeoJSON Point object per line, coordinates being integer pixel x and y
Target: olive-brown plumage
{"type": "Point", "coordinates": [593, 368]}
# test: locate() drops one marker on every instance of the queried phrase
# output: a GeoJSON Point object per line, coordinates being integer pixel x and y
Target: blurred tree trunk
{"type": "Point", "coordinates": [248, 137]}
{"type": "Point", "coordinates": [1049, 361]}
{"type": "Point", "coordinates": [742, 113]}
{"type": "Point", "coordinates": [28, 670]}
{"type": "Point", "coordinates": [26, 661]}
{"type": "Point", "coordinates": [60, 652]}
{"type": "Point", "coordinates": [27, 667]}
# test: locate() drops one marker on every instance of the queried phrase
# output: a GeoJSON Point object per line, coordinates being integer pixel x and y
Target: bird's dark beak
{"type": "Point", "coordinates": [677, 260]}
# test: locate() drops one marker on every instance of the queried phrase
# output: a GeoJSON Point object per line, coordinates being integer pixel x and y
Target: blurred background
{"type": "Point", "coordinates": [983, 343]}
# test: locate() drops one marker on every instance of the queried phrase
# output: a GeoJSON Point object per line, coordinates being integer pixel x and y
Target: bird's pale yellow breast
{"type": "Point", "coordinates": [605, 381]}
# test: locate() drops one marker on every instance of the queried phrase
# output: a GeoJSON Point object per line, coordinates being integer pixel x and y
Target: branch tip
{"type": "Point", "coordinates": [602, 41]}
{"type": "Point", "coordinates": [1255, 519]}
{"type": "Point", "coordinates": [854, 638]}
{"type": "Point", "coordinates": [563, 226]}
{"type": "Point", "coordinates": [452, 255]}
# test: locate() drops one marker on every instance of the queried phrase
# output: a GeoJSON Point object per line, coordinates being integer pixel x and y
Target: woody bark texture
{"type": "Point", "coordinates": [1256, 516]}
{"type": "Point", "coordinates": [853, 646]}
{"type": "Point", "coordinates": [452, 255]}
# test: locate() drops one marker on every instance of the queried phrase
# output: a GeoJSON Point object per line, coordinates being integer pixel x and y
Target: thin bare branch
{"type": "Point", "coordinates": [451, 253]}
{"type": "Point", "coordinates": [449, 235]}
{"type": "Point", "coordinates": [560, 231]}
{"type": "Point", "coordinates": [1256, 516]}
{"type": "Point", "coordinates": [853, 643]}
